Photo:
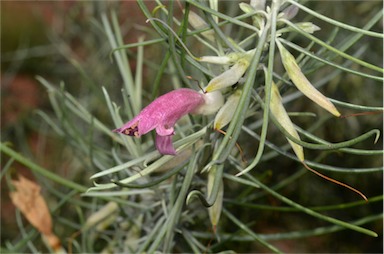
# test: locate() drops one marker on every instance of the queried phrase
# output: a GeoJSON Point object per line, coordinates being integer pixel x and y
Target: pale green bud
{"type": "Point", "coordinates": [302, 83]}
{"type": "Point", "coordinates": [246, 8]}
{"type": "Point", "coordinates": [258, 5]}
{"type": "Point", "coordinates": [199, 23]}
{"type": "Point", "coordinates": [231, 58]}
{"type": "Point", "coordinates": [308, 27]}
{"type": "Point", "coordinates": [229, 77]}
{"type": "Point", "coordinates": [226, 112]}
{"type": "Point", "coordinates": [215, 210]}
{"type": "Point", "coordinates": [278, 111]}
{"type": "Point", "coordinates": [290, 12]}
{"type": "Point", "coordinates": [228, 59]}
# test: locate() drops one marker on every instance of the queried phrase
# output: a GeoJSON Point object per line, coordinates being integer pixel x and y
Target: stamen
{"type": "Point", "coordinates": [198, 84]}
{"type": "Point", "coordinates": [133, 130]}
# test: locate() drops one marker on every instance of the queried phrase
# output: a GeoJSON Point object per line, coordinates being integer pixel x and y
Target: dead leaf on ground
{"type": "Point", "coordinates": [28, 199]}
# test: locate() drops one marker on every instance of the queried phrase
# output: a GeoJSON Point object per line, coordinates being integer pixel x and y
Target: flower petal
{"type": "Point", "coordinates": [164, 145]}
{"type": "Point", "coordinates": [164, 130]}
{"type": "Point", "coordinates": [130, 128]}
{"type": "Point", "coordinates": [230, 58]}
{"type": "Point", "coordinates": [163, 113]}
{"type": "Point", "coordinates": [212, 103]}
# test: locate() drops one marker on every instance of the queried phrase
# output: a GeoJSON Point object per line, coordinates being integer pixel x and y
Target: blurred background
{"type": "Point", "coordinates": [63, 42]}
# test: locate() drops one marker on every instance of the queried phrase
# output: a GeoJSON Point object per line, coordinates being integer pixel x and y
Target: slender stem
{"type": "Point", "coordinates": [234, 128]}
{"type": "Point", "coordinates": [377, 17]}
{"type": "Point", "coordinates": [250, 232]}
{"type": "Point", "coordinates": [36, 168]}
{"type": "Point", "coordinates": [333, 49]}
{"type": "Point", "coordinates": [268, 84]}
{"type": "Point", "coordinates": [313, 213]}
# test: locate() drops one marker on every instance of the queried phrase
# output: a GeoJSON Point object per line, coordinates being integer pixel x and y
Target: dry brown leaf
{"type": "Point", "coordinates": [54, 242]}
{"type": "Point", "coordinates": [28, 199]}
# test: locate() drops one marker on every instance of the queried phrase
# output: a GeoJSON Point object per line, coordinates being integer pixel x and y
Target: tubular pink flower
{"type": "Point", "coordinates": [162, 114]}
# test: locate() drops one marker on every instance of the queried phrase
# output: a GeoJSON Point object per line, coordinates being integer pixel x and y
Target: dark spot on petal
{"type": "Point", "coordinates": [132, 130]}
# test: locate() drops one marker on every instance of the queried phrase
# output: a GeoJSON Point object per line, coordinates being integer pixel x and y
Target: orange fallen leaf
{"type": "Point", "coordinates": [27, 198]}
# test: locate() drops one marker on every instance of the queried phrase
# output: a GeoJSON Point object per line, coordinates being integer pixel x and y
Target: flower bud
{"type": "Point", "coordinates": [308, 27]}
{"type": "Point", "coordinates": [228, 59]}
{"type": "Point", "coordinates": [302, 83]}
{"type": "Point", "coordinates": [278, 111]}
{"type": "Point", "coordinates": [225, 114]}
{"type": "Point", "coordinates": [198, 23]}
{"type": "Point", "coordinates": [229, 77]}
{"type": "Point", "coordinates": [246, 8]}
{"type": "Point", "coordinates": [258, 5]}
{"type": "Point", "coordinates": [215, 210]}
{"type": "Point", "coordinates": [290, 12]}
{"type": "Point", "coordinates": [231, 58]}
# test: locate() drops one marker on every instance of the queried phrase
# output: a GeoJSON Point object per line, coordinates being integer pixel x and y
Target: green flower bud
{"type": "Point", "coordinates": [227, 59]}
{"type": "Point", "coordinates": [258, 5]}
{"type": "Point", "coordinates": [308, 27]}
{"type": "Point", "coordinates": [198, 23]}
{"type": "Point", "coordinates": [215, 210]}
{"type": "Point", "coordinates": [246, 8]}
{"type": "Point", "coordinates": [290, 12]}
{"type": "Point", "coordinates": [229, 77]}
{"type": "Point", "coordinates": [225, 114]}
{"type": "Point", "coordinates": [302, 83]}
{"type": "Point", "coordinates": [278, 111]}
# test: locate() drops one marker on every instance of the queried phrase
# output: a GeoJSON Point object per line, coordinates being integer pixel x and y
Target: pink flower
{"type": "Point", "coordinates": [163, 113]}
